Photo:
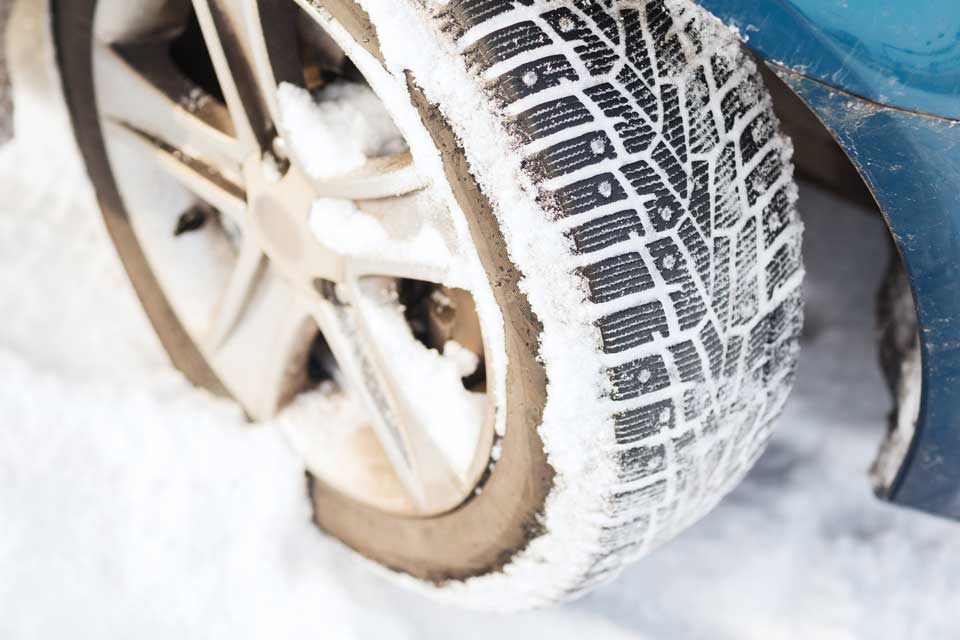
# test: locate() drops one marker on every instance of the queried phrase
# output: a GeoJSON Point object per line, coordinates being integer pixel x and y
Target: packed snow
{"type": "Point", "coordinates": [133, 505]}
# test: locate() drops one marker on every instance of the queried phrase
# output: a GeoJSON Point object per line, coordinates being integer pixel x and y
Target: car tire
{"type": "Point", "coordinates": [632, 200]}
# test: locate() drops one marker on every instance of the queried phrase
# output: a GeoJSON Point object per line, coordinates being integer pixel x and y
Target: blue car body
{"type": "Point", "coordinates": [884, 77]}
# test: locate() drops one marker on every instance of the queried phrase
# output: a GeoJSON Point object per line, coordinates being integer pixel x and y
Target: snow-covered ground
{"type": "Point", "coordinates": [132, 505]}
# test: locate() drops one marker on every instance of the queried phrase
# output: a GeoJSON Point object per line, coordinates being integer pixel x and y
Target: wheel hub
{"type": "Point", "coordinates": [310, 253]}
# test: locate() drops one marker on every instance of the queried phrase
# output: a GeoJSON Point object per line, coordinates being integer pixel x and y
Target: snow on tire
{"type": "Point", "coordinates": [619, 169]}
{"type": "Point", "coordinates": [640, 134]}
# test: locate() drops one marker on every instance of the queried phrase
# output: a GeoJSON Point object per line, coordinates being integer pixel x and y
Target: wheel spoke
{"type": "Point", "coordinates": [422, 469]}
{"type": "Point", "coordinates": [142, 90]}
{"type": "Point", "coordinates": [384, 177]}
{"type": "Point", "coordinates": [409, 236]}
{"type": "Point", "coordinates": [225, 32]}
{"type": "Point", "coordinates": [269, 66]}
{"type": "Point", "coordinates": [196, 176]}
{"type": "Point", "coordinates": [263, 358]}
{"type": "Point", "coordinates": [243, 279]}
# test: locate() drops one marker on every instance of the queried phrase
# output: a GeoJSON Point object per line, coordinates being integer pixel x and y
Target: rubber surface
{"type": "Point", "coordinates": [654, 143]}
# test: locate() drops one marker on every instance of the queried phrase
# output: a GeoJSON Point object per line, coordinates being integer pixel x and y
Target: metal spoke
{"type": "Point", "coordinates": [384, 177]}
{"type": "Point", "coordinates": [196, 176]}
{"type": "Point", "coordinates": [144, 92]}
{"type": "Point", "coordinates": [245, 275]}
{"type": "Point", "coordinates": [263, 358]}
{"type": "Point", "coordinates": [409, 236]}
{"type": "Point", "coordinates": [223, 23]}
{"type": "Point", "coordinates": [271, 66]}
{"type": "Point", "coordinates": [421, 467]}
{"type": "Point", "coordinates": [415, 240]}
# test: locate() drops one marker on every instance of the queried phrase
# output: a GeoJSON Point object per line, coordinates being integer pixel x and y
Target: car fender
{"type": "Point", "coordinates": [883, 76]}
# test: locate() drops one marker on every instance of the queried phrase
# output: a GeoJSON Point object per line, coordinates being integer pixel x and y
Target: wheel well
{"type": "Point", "coordinates": [817, 155]}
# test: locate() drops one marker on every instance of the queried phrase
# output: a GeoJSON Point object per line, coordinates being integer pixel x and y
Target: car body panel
{"type": "Point", "coordinates": [899, 53]}
{"type": "Point", "coordinates": [883, 76]}
{"type": "Point", "coordinates": [911, 163]}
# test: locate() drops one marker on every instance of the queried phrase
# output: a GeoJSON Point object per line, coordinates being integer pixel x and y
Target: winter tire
{"type": "Point", "coordinates": [612, 170]}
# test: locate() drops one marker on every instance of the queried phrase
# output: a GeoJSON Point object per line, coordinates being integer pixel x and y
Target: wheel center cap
{"type": "Point", "coordinates": [279, 212]}
{"type": "Point", "coordinates": [279, 229]}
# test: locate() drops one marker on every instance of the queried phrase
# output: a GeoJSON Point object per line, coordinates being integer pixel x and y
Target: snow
{"type": "Point", "coordinates": [429, 384]}
{"type": "Point", "coordinates": [340, 226]}
{"type": "Point", "coordinates": [465, 361]}
{"type": "Point", "coordinates": [337, 129]}
{"type": "Point", "coordinates": [135, 506]}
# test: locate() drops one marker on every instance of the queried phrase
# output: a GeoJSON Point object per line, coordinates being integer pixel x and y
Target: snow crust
{"type": "Point", "coordinates": [133, 505]}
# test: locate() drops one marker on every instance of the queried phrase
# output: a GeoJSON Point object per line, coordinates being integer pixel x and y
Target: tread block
{"type": "Point", "coordinates": [505, 43]}
{"type": "Point", "coordinates": [637, 425]}
{"type": "Point", "coordinates": [587, 195]}
{"type": "Point", "coordinates": [763, 176]}
{"type": "Point", "coordinates": [757, 351]}
{"type": "Point", "coordinates": [733, 107]}
{"type": "Point", "coordinates": [704, 135]}
{"type": "Point", "coordinates": [631, 500]}
{"type": "Point", "coordinates": [571, 155]}
{"type": "Point", "coordinates": [668, 50]}
{"type": "Point", "coordinates": [696, 246]}
{"type": "Point", "coordinates": [549, 118]}
{"type": "Point", "coordinates": [532, 77]}
{"type": "Point", "coordinates": [687, 361]}
{"type": "Point", "coordinates": [633, 327]}
{"type": "Point", "coordinates": [459, 16]}
{"type": "Point", "coordinates": [669, 260]}
{"type": "Point", "coordinates": [595, 54]}
{"type": "Point", "coordinates": [634, 131]}
{"type": "Point", "coordinates": [642, 462]}
{"type": "Point", "coordinates": [638, 55]}
{"type": "Point", "coordinates": [722, 280]}
{"type": "Point", "coordinates": [776, 217]}
{"type": "Point", "coordinates": [617, 277]}
{"type": "Point", "coordinates": [747, 246]}
{"type": "Point", "coordinates": [722, 71]}
{"type": "Point", "coordinates": [700, 198]}
{"type": "Point", "coordinates": [671, 166]}
{"type": "Point", "coordinates": [641, 93]}
{"type": "Point", "coordinates": [757, 134]}
{"type": "Point", "coordinates": [726, 205]}
{"type": "Point", "coordinates": [710, 339]}
{"type": "Point", "coordinates": [690, 29]}
{"type": "Point", "coordinates": [673, 129]}
{"type": "Point", "coordinates": [746, 304]}
{"type": "Point", "coordinates": [784, 264]}
{"type": "Point", "coordinates": [731, 357]}
{"type": "Point", "coordinates": [606, 231]}
{"type": "Point", "coordinates": [601, 13]}
{"type": "Point", "coordinates": [638, 377]}
{"type": "Point", "coordinates": [689, 305]}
